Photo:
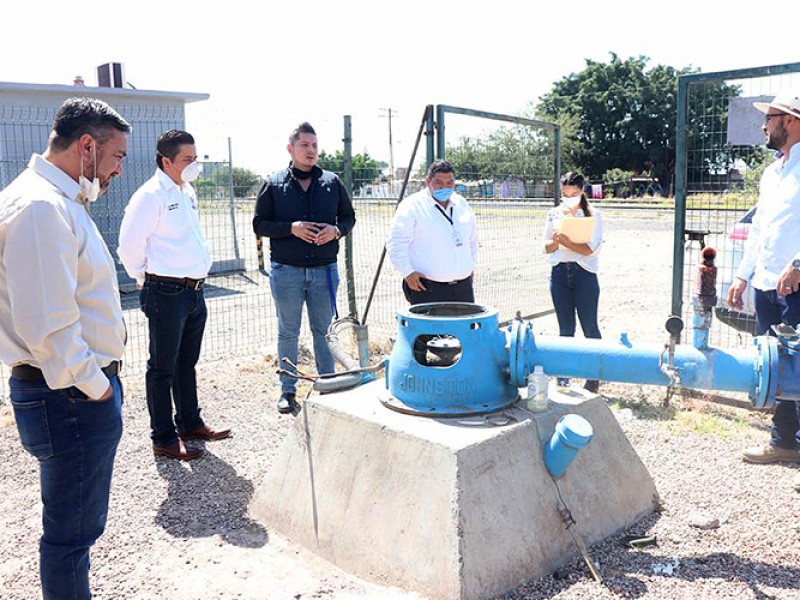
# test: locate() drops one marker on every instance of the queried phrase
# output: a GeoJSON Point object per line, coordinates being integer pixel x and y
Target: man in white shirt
{"type": "Point", "coordinates": [433, 241]}
{"type": "Point", "coordinates": [62, 332]}
{"type": "Point", "coordinates": [771, 262]}
{"type": "Point", "coordinates": [162, 247]}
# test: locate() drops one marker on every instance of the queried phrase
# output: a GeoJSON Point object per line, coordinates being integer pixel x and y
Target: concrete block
{"type": "Point", "coordinates": [450, 508]}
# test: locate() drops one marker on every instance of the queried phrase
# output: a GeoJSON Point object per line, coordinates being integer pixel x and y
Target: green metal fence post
{"type": "Point", "coordinates": [349, 271]}
{"type": "Point", "coordinates": [681, 163]}
{"type": "Point", "coordinates": [440, 139]}
{"type": "Point", "coordinates": [429, 139]}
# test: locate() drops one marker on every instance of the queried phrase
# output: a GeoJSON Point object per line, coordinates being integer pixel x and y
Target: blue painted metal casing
{"type": "Point", "coordinates": [476, 382]}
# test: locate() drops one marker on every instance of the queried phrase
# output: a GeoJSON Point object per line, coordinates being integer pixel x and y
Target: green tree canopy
{"type": "Point", "coordinates": [245, 181]}
{"type": "Point", "coordinates": [510, 151]}
{"type": "Point", "coordinates": [623, 114]}
{"type": "Point", "coordinates": [365, 168]}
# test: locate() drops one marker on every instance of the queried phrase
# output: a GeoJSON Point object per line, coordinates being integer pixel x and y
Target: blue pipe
{"type": "Point", "coordinates": [712, 369]}
{"type": "Point", "coordinates": [753, 370]}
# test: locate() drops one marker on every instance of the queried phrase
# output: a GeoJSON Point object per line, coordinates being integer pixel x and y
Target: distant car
{"type": "Point", "coordinates": [744, 319]}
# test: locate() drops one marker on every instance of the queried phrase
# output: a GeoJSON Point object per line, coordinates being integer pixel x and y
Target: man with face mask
{"type": "Point", "coordinates": [771, 262]}
{"type": "Point", "coordinates": [162, 247]}
{"type": "Point", "coordinates": [433, 241]}
{"type": "Point", "coordinates": [62, 333]}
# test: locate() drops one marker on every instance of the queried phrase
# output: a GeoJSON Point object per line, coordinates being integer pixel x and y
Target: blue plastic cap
{"type": "Point", "coordinates": [574, 430]}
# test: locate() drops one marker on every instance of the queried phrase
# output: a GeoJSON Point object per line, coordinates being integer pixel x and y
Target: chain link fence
{"type": "Point", "coordinates": [510, 203]}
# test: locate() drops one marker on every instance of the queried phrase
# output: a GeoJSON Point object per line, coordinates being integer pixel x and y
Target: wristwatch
{"type": "Point", "coordinates": [339, 234]}
{"type": "Point", "coordinates": [796, 264]}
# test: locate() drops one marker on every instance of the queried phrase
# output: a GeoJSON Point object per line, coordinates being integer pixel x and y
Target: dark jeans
{"type": "Point", "coordinates": [75, 441]}
{"type": "Point", "coordinates": [772, 309]}
{"type": "Point", "coordinates": [574, 289]}
{"type": "Point", "coordinates": [176, 317]}
{"type": "Point", "coordinates": [460, 291]}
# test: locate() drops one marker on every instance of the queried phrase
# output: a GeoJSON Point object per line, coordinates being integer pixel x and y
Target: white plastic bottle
{"type": "Point", "coordinates": [537, 390]}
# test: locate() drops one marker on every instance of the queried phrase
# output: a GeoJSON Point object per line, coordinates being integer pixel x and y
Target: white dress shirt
{"type": "Point", "coordinates": [422, 239]}
{"type": "Point", "coordinates": [59, 301]}
{"type": "Point", "coordinates": [774, 238]}
{"type": "Point", "coordinates": [160, 232]}
{"type": "Point", "coordinates": [591, 262]}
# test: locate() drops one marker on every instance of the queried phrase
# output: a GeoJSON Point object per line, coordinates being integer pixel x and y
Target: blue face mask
{"type": "Point", "coordinates": [442, 194]}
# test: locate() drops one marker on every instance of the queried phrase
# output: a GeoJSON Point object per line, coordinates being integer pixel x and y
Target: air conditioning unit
{"type": "Point", "coordinates": [111, 75]}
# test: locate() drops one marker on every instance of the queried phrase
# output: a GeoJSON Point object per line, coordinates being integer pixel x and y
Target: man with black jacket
{"type": "Point", "coordinates": [304, 211]}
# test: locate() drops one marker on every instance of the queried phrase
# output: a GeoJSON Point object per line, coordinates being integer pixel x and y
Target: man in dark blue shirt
{"type": "Point", "coordinates": [304, 211]}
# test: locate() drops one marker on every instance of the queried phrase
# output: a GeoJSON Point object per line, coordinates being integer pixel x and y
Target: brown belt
{"type": "Point", "coordinates": [194, 284]}
{"type": "Point", "coordinates": [31, 373]}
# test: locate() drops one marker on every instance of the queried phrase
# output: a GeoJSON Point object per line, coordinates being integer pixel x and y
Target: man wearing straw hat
{"type": "Point", "coordinates": [771, 262]}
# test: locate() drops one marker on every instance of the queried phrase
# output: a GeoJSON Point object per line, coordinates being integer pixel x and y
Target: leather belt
{"type": "Point", "coordinates": [194, 284]}
{"type": "Point", "coordinates": [456, 282]}
{"type": "Point", "coordinates": [31, 373]}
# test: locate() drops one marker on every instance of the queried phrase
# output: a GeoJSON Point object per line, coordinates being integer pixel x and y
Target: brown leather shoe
{"type": "Point", "coordinates": [178, 450]}
{"type": "Point", "coordinates": [206, 433]}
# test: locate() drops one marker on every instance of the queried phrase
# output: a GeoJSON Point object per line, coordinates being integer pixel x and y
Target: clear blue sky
{"type": "Point", "coordinates": [270, 65]}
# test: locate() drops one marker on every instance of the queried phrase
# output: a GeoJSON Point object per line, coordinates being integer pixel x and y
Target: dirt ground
{"type": "Point", "coordinates": [183, 531]}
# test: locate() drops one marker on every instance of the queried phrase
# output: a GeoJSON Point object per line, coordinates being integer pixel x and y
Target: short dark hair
{"type": "Point", "coordinates": [79, 116]}
{"type": "Point", "coordinates": [304, 127]}
{"type": "Point", "coordinates": [169, 145]}
{"type": "Point", "coordinates": [439, 166]}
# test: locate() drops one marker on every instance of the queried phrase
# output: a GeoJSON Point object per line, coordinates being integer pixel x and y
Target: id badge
{"type": "Point", "coordinates": [456, 237]}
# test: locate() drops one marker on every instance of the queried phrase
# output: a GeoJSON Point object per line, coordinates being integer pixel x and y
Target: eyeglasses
{"type": "Point", "coordinates": [769, 116]}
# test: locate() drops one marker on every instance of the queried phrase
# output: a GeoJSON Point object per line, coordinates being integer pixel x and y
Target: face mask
{"type": "Point", "coordinates": [191, 172]}
{"type": "Point", "coordinates": [89, 190]}
{"type": "Point", "coordinates": [571, 202]}
{"type": "Point", "coordinates": [442, 194]}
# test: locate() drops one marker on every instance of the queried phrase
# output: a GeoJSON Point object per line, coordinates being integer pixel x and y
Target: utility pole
{"type": "Point", "coordinates": [388, 114]}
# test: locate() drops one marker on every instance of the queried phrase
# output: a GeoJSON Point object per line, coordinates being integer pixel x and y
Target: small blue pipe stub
{"type": "Point", "coordinates": [572, 433]}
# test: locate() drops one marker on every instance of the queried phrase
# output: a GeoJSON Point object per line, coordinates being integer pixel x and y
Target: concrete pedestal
{"type": "Point", "coordinates": [450, 508]}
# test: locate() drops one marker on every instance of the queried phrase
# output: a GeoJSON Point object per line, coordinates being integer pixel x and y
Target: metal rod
{"type": "Point", "coordinates": [442, 108]}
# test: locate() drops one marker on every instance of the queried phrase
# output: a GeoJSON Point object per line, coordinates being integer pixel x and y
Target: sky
{"type": "Point", "coordinates": [270, 65]}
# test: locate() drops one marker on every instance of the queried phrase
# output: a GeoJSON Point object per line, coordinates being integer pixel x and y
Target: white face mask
{"type": "Point", "coordinates": [191, 172]}
{"type": "Point", "coordinates": [89, 190]}
{"type": "Point", "coordinates": [571, 202]}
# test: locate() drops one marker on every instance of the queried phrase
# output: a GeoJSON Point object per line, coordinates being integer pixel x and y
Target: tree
{"type": "Point", "coordinates": [513, 151]}
{"type": "Point", "coordinates": [626, 112]}
{"type": "Point", "coordinates": [365, 168]}
{"type": "Point", "coordinates": [245, 181]}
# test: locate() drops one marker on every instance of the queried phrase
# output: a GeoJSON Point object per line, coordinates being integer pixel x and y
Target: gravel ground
{"type": "Point", "coordinates": [182, 530]}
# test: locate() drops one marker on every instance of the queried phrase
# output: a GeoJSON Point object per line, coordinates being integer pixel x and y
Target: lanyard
{"type": "Point", "coordinates": [444, 214]}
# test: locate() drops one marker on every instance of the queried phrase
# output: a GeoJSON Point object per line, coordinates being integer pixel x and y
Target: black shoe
{"type": "Point", "coordinates": [287, 404]}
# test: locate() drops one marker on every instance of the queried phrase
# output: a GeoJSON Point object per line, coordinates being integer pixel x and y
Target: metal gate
{"type": "Point", "coordinates": [720, 155]}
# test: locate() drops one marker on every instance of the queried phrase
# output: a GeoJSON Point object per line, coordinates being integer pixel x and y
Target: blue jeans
{"type": "Point", "coordinates": [772, 309]}
{"type": "Point", "coordinates": [574, 289]}
{"type": "Point", "coordinates": [176, 317]}
{"type": "Point", "coordinates": [291, 288]}
{"type": "Point", "coordinates": [75, 441]}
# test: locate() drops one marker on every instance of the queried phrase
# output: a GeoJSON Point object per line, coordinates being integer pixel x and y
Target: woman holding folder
{"type": "Point", "coordinates": [573, 235]}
